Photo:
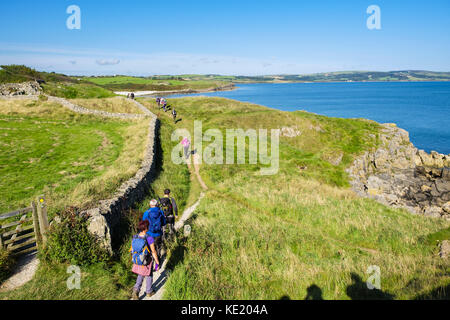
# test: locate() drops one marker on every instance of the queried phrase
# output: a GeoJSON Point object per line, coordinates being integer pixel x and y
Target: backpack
{"type": "Point", "coordinates": [155, 225]}
{"type": "Point", "coordinates": [166, 206]}
{"type": "Point", "coordinates": [140, 253]}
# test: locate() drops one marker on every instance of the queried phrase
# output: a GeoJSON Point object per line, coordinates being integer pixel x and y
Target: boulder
{"type": "Point", "coordinates": [444, 251]}
{"type": "Point", "coordinates": [446, 207]}
{"type": "Point", "coordinates": [99, 227]}
{"type": "Point", "coordinates": [433, 212]}
{"type": "Point", "coordinates": [20, 89]}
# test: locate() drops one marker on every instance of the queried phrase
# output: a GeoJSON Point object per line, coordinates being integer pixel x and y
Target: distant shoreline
{"type": "Point", "coordinates": [228, 87]}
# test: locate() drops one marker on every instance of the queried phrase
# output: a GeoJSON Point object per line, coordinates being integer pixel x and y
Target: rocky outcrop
{"type": "Point", "coordinates": [444, 249]}
{"type": "Point", "coordinates": [400, 175]}
{"type": "Point", "coordinates": [31, 88]}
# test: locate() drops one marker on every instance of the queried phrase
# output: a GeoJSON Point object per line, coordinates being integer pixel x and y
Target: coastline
{"type": "Point", "coordinates": [228, 87]}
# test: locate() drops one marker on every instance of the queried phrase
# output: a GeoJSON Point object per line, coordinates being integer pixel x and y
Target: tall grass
{"type": "Point", "coordinates": [284, 235]}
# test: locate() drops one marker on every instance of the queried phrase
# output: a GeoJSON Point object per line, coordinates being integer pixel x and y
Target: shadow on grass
{"type": "Point", "coordinates": [358, 290]}
{"type": "Point", "coordinates": [439, 293]}
{"type": "Point", "coordinates": [313, 293]}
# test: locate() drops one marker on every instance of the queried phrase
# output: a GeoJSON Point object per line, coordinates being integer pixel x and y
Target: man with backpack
{"type": "Point", "coordinates": [157, 221]}
{"type": "Point", "coordinates": [170, 209]}
{"type": "Point", "coordinates": [174, 114]}
{"type": "Point", "coordinates": [142, 249]}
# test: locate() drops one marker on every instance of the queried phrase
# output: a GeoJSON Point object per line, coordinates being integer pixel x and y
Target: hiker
{"type": "Point", "coordinates": [143, 255]}
{"type": "Point", "coordinates": [132, 96]}
{"type": "Point", "coordinates": [186, 144]}
{"type": "Point", "coordinates": [157, 221]}
{"type": "Point", "coordinates": [174, 114]}
{"type": "Point", "coordinates": [170, 209]}
{"type": "Point", "coordinates": [158, 100]}
{"type": "Point", "coordinates": [128, 95]}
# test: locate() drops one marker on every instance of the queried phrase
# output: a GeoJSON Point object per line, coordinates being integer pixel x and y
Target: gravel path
{"type": "Point", "coordinates": [25, 269]}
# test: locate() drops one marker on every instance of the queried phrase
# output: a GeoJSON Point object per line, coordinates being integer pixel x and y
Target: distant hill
{"type": "Point", "coordinates": [345, 76]}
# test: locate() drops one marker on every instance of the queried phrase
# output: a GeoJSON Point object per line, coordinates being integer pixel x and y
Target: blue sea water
{"type": "Point", "coordinates": [421, 108]}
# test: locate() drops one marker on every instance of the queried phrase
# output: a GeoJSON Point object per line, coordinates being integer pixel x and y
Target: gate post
{"type": "Point", "coordinates": [43, 220]}
{"type": "Point", "coordinates": [36, 224]}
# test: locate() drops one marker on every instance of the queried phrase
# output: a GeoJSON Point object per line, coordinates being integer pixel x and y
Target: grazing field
{"type": "Point", "coordinates": [120, 83]}
{"type": "Point", "coordinates": [300, 233]}
{"type": "Point", "coordinates": [73, 159]}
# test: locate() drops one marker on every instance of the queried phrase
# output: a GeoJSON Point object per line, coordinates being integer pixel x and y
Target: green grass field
{"type": "Point", "coordinates": [113, 280]}
{"type": "Point", "coordinates": [73, 159]}
{"type": "Point", "coordinates": [120, 83]}
{"type": "Point", "coordinates": [301, 230]}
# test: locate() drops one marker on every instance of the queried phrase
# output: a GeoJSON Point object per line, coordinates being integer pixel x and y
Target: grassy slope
{"type": "Point", "coordinates": [267, 237]}
{"type": "Point", "coordinates": [113, 280]}
{"type": "Point", "coordinates": [114, 105]}
{"type": "Point", "coordinates": [58, 85]}
{"type": "Point", "coordinates": [73, 159]}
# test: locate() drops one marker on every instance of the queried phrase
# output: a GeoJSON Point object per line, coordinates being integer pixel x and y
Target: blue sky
{"type": "Point", "coordinates": [225, 37]}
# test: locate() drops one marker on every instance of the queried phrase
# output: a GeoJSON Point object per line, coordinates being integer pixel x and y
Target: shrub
{"type": "Point", "coordinates": [70, 241]}
{"type": "Point", "coordinates": [6, 264]}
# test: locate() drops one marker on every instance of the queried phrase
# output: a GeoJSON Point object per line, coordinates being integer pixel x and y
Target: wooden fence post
{"type": "Point", "coordinates": [43, 220]}
{"type": "Point", "coordinates": [36, 224]}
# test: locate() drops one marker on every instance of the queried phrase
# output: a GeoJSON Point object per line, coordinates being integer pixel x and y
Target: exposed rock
{"type": "Point", "coordinates": [31, 88]}
{"type": "Point", "coordinates": [444, 252]}
{"type": "Point", "coordinates": [433, 212]}
{"type": "Point", "coordinates": [399, 175]}
{"type": "Point", "coordinates": [98, 226]}
{"type": "Point", "coordinates": [446, 207]}
{"type": "Point", "coordinates": [290, 132]}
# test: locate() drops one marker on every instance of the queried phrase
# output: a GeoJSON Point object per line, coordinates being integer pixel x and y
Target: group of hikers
{"type": "Point", "coordinates": [155, 228]}
{"type": "Point", "coordinates": [162, 104]}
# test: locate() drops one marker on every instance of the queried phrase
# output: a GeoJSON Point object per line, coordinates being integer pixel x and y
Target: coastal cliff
{"type": "Point", "coordinates": [399, 175]}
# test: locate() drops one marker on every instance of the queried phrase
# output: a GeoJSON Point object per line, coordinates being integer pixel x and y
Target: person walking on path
{"type": "Point", "coordinates": [143, 250]}
{"type": "Point", "coordinates": [157, 221]}
{"type": "Point", "coordinates": [170, 209]}
{"type": "Point", "coordinates": [174, 115]}
{"type": "Point", "coordinates": [186, 144]}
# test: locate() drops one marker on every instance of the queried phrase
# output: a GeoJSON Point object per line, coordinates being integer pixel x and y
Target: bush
{"type": "Point", "coordinates": [70, 241]}
{"type": "Point", "coordinates": [6, 264]}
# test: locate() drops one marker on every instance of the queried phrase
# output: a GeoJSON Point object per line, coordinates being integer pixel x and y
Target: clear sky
{"type": "Point", "coordinates": [244, 37]}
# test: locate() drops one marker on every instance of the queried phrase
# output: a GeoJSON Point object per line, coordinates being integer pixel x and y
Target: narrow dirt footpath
{"type": "Point", "coordinates": [25, 269]}
{"type": "Point", "coordinates": [160, 276]}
